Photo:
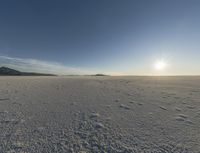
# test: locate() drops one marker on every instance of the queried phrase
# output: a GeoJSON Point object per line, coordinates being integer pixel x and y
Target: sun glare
{"type": "Point", "coordinates": [160, 65]}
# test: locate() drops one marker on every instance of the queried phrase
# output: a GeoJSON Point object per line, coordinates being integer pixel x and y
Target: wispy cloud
{"type": "Point", "coordinates": [34, 65]}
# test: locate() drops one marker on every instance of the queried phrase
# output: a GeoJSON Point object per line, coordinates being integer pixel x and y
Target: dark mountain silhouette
{"type": "Point", "coordinates": [8, 71]}
{"type": "Point", "coordinates": [100, 75]}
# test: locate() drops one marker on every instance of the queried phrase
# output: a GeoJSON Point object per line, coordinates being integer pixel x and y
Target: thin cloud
{"type": "Point", "coordinates": [34, 65]}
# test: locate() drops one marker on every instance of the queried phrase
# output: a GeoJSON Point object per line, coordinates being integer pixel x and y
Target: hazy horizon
{"type": "Point", "coordinates": [110, 37]}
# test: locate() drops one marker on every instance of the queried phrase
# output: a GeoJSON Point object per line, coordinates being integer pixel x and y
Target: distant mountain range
{"type": "Point", "coordinates": [100, 75]}
{"type": "Point", "coordinates": [8, 71]}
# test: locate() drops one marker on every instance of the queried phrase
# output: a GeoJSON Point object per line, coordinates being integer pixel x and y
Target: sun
{"type": "Point", "coordinates": [160, 65]}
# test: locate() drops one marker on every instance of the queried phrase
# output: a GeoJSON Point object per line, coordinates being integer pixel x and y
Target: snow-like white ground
{"type": "Point", "coordinates": [100, 114]}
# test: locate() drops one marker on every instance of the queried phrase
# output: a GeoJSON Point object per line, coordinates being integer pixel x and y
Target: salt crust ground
{"type": "Point", "coordinates": [100, 114]}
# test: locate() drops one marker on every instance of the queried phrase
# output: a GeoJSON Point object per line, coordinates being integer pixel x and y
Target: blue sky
{"type": "Point", "coordinates": [107, 36]}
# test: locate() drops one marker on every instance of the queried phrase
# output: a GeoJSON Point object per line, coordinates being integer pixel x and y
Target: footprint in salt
{"type": "Point", "coordinates": [188, 121]}
{"type": "Point", "coordinates": [99, 125]}
{"type": "Point", "coordinates": [191, 107]}
{"type": "Point", "coordinates": [3, 99]}
{"type": "Point", "coordinates": [132, 102]}
{"type": "Point", "coordinates": [183, 118]}
{"type": "Point", "coordinates": [94, 115]}
{"type": "Point", "coordinates": [140, 104]}
{"type": "Point", "coordinates": [178, 109]}
{"type": "Point", "coordinates": [124, 106]}
{"type": "Point", "coordinates": [178, 118]}
{"type": "Point", "coordinates": [162, 107]}
{"type": "Point", "coordinates": [117, 100]}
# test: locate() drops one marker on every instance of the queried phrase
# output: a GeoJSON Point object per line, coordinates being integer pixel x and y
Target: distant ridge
{"type": "Point", "coordinates": [100, 75]}
{"type": "Point", "coordinates": [97, 75]}
{"type": "Point", "coordinates": [11, 72]}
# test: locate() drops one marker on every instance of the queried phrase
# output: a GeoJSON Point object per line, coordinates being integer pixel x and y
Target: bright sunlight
{"type": "Point", "coordinates": [160, 65]}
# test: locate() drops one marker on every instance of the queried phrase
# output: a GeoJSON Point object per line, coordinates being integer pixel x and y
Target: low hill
{"type": "Point", "coordinates": [8, 71]}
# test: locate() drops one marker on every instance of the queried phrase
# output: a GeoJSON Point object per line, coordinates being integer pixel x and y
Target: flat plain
{"type": "Point", "coordinates": [88, 114]}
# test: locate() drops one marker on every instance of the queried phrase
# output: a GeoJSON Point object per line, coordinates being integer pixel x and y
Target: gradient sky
{"type": "Point", "coordinates": [101, 36]}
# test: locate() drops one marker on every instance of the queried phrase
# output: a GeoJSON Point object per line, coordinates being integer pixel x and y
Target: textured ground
{"type": "Point", "coordinates": [100, 114]}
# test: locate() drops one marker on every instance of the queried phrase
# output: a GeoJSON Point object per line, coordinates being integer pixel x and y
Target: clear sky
{"type": "Point", "coordinates": [101, 36]}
